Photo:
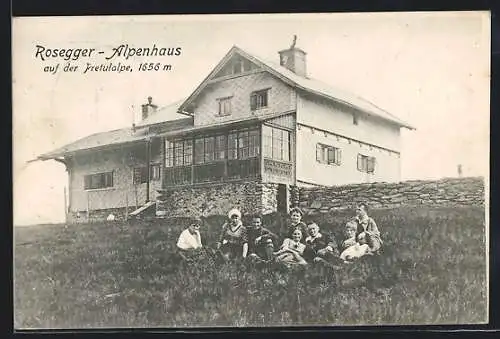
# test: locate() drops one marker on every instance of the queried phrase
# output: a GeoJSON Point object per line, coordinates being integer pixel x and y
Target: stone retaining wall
{"type": "Point", "coordinates": [444, 192]}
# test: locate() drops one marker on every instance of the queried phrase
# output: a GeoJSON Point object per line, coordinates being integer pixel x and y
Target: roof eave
{"type": "Point", "coordinates": [54, 156]}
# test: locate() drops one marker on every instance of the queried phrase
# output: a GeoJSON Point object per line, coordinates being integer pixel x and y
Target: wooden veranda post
{"type": "Point", "coordinates": [126, 205]}
{"type": "Point", "coordinates": [65, 206]}
{"type": "Point", "coordinates": [88, 207]}
{"type": "Point", "coordinates": [148, 166]}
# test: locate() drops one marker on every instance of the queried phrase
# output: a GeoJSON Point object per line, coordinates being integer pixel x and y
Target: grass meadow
{"type": "Point", "coordinates": [432, 271]}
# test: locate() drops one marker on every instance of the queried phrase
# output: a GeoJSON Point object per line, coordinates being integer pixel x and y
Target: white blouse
{"type": "Point", "coordinates": [188, 241]}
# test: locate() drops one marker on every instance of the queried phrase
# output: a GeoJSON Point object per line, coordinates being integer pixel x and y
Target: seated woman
{"type": "Point", "coordinates": [260, 240]}
{"type": "Point", "coordinates": [294, 222]}
{"type": "Point", "coordinates": [318, 245]}
{"type": "Point", "coordinates": [189, 245]}
{"type": "Point", "coordinates": [233, 241]}
{"type": "Point", "coordinates": [291, 251]}
{"type": "Point", "coordinates": [351, 248]}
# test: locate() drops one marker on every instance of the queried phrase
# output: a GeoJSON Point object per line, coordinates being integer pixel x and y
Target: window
{"type": "Point", "coordinates": [253, 143]}
{"type": "Point", "coordinates": [237, 66]}
{"type": "Point", "coordinates": [258, 100]}
{"type": "Point", "coordinates": [224, 106]}
{"type": "Point", "coordinates": [276, 143]}
{"type": "Point", "coordinates": [235, 145]}
{"type": "Point", "coordinates": [243, 144]}
{"type": "Point", "coordinates": [328, 154]}
{"type": "Point", "coordinates": [247, 65]}
{"type": "Point", "coordinates": [156, 172]}
{"type": "Point", "coordinates": [99, 180]}
{"type": "Point", "coordinates": [220, 147]}
{"type": "Point", "coordinates": [199, 151]}
{"type": "Point", "coordinates": [366, 163]}
{"type": "Point", "coordinates": [141, 174]}
{"type": "Point", "coordinates": [209, 149]}
{"type": "Point", "coordinates": [232, 146]}
{"type": "Point", "coordinates": [178, 153]}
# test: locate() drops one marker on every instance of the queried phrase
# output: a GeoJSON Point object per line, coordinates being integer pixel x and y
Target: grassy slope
{"type": "Point", "coordinates": [433, 271]}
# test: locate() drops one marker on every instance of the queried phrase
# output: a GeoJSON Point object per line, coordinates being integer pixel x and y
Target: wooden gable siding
{"type": "Point", "coordinates": [285, 121]}
{"type": "Point", "coordinates": [281, 98]}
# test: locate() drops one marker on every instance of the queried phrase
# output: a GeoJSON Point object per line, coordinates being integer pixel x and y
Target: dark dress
{"type": "Point", "coordinates": [267, 241]}
{"type": "Point", "coordinates": [319, 243]}
{"type": "Point", "coordinates": [232, 240]}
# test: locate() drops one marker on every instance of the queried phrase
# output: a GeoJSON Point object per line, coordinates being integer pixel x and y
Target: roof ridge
{"type": "Point", "coordinates": [283, 70]}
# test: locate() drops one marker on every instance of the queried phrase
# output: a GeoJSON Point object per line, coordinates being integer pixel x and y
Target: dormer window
{"type": "Point", "coordinates": [247, 66]}
{"type": "Point", "coordinates": [259, 99]}
{"type": "Point", "coordinates": [224, 106]}
{"type": "Point", "coordinates": [237, 66]}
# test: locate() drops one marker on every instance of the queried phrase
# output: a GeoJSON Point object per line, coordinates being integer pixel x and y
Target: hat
{"type": "Point", "coordinates": [234, 211]}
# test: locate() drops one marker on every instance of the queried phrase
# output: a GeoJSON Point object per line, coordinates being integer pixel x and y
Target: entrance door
{"type": "Point", "coordinates": [282, 198]}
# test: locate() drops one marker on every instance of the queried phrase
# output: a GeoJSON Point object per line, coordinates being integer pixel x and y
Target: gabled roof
{"type": "Point", "coordinates": [113, 138]}
{"type": "Point", "coordinates": [308, 85]}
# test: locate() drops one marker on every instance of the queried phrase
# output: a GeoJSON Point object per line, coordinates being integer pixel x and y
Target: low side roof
{"type": "Point", "coordinates": [112, 138]}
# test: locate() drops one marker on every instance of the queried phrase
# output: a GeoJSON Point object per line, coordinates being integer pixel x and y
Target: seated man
{"type": "Point", "coordinates": [318, 245]}
{"type": "Point", "coordinates": [189, 244]}
{"type": "Point", "coordinates": [260, 240]}
{"type": "Point", "coordinates": [367, 230]}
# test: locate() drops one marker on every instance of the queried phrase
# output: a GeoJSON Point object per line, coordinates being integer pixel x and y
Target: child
{"type": "Point", "coordinates": [351, 248]}
{"type": "Point", "coordinates": [291, 250]}
{"type": "Point", "coordinates": [260, 240]}
{"type": "Point", "coordinates": [233, 238]}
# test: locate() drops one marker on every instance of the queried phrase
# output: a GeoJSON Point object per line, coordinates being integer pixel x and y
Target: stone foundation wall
{"type": "Point", "coordinates": [445, 192]}
{"type": "Point", "coordinates": [269, 198]}
{"type": "Point", "coordinates": [213, 199]}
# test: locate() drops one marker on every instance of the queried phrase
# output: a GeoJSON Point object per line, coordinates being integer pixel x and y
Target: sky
{"type": "Point", "coordinates": [430, 69]}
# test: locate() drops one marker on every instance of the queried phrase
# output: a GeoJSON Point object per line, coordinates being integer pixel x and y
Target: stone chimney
{"type": "Point", "coordinates": [148, 109]}
{"type": "Point", "coordinates": [294, 59]}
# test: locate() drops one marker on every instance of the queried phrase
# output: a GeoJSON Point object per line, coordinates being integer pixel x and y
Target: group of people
{"type": "Point", "coordinates": [296, 243]}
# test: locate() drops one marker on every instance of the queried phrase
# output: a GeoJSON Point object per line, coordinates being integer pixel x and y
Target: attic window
{"type": "Point", "coordinates": [237, 66]}
{"type": "Point", "coordinates": [247, 66]}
